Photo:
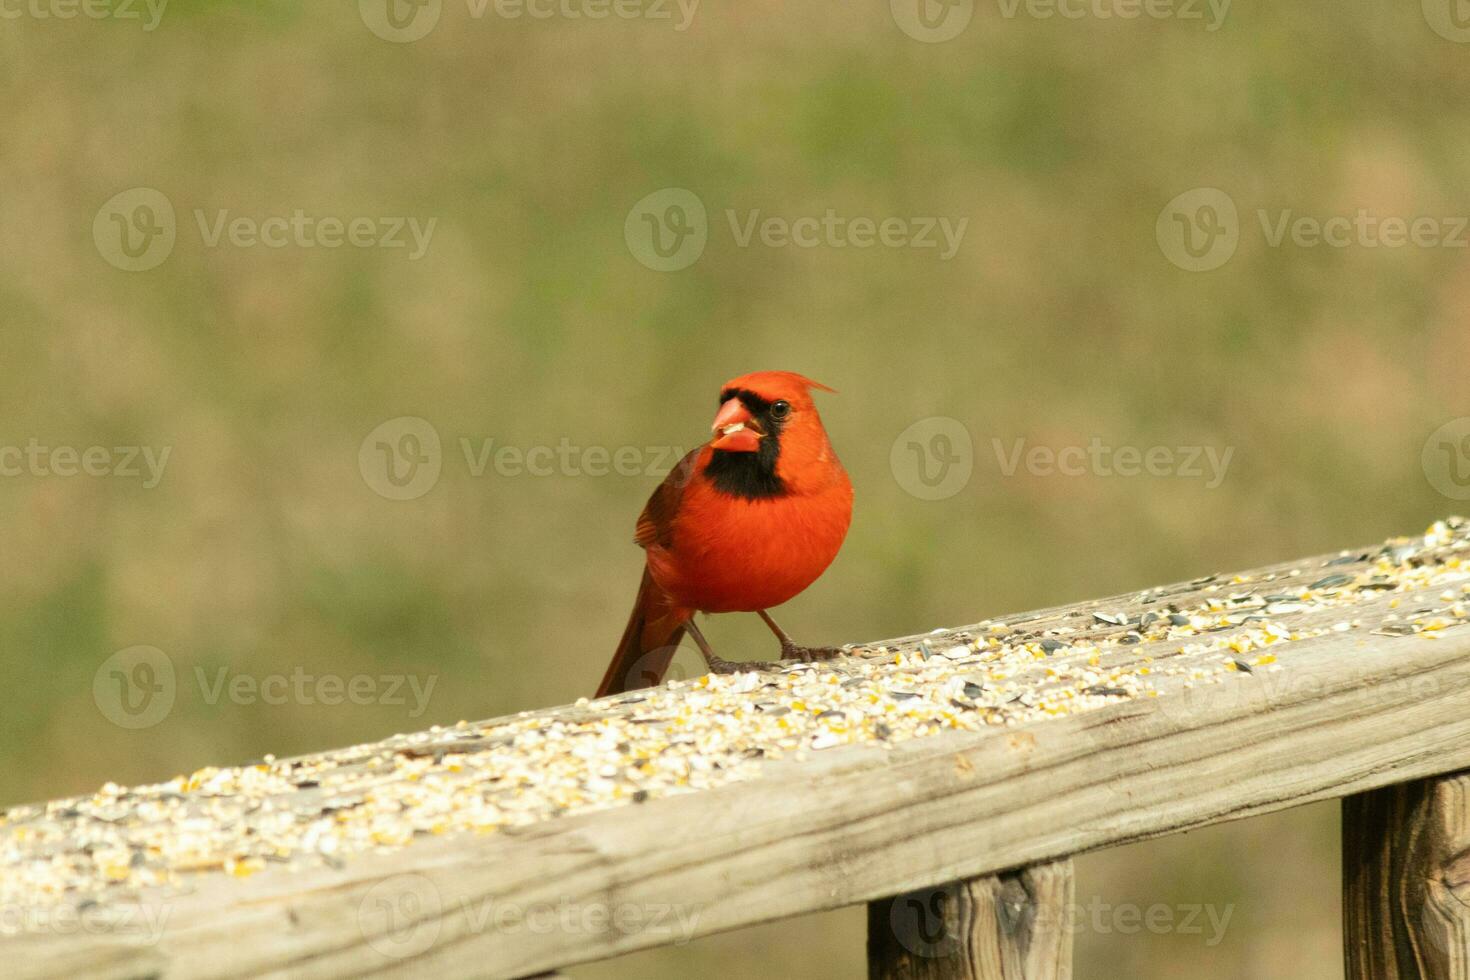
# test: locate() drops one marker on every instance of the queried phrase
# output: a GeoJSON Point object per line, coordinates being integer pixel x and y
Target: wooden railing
{"type": "Point", "coordinates": [946, 779]}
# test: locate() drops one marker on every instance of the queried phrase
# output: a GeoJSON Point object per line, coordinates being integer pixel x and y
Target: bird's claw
{"type": "Point", "coordinates": [716, 666]}
{"type": "Point", "coordinates": [809, 655]}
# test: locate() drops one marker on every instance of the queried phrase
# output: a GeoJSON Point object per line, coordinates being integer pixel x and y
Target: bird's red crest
{"type": "Point", "coordinates": [772, 385]}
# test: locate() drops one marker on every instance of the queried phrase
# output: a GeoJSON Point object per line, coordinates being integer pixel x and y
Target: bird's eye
{"type": "Point", "coordinates": [780, 410]}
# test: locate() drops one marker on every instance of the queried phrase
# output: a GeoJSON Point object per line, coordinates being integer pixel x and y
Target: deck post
{"type": "Point", "coordinates": [1406, 881]}
{"type": "Point", "coordinates": [1010, 926]}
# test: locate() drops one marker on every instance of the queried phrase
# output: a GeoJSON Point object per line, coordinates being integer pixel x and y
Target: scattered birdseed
{"type": "Point", "coordinates": [691, 735]}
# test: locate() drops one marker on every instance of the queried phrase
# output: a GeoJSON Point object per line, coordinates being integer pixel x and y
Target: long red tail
{"type": "Point", "coordinates": [648, 644]}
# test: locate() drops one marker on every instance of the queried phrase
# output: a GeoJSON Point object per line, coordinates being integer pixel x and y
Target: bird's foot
{"type": "Point", "coordinates": [717, 666]}
{"type": "Point", "coordinates": [807, 655]}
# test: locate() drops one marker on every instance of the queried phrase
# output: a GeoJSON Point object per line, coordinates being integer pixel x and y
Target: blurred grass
{"type": "Point", "coordinates": [264, 550]}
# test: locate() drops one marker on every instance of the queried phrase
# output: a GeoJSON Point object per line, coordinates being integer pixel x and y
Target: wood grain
{"type": "Point", "coordinates": [1011, 926]}
{"type": "Point", "coordinates": [1406, 877]}
{"type": "Point", "coordinates": [1349, 712]}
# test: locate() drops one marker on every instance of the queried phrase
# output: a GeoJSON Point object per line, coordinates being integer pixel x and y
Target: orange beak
{"type": "Point", "coordinates": [735, 429]}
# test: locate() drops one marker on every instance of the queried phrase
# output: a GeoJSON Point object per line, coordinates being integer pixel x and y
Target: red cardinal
{"type": "Point", "coordinates": [744, 523]}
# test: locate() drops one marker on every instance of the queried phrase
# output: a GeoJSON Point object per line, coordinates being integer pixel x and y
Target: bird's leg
{"type": "Point", "coordinates": [713, 662]}
{"type": "Point", "coordinates": [791, 651]}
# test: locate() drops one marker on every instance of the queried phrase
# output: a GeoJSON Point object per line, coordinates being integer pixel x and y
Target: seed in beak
{"type": "Point", "coordinates": [735, 429]}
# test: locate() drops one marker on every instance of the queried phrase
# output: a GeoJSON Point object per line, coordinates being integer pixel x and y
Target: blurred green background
{"type": "Point", "coordinates": [267, 546]}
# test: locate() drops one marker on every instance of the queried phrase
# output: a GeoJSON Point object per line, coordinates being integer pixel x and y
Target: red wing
{"type": "Point", "coordinates": [656, 523]}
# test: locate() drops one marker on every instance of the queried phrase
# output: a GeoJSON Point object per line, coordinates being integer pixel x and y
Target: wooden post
{"type": "Point", "coordinates": [1011, 926]}
{"type": "Point", "coordinates": [1406, 881]}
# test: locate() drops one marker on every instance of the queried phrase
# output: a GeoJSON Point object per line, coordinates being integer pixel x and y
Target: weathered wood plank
{"type": "Point", "coordinates": [1348, 709]}
{"type": "Point", "coordinates": [834, 831]}
{"type": "Point", "coordinates": [1010, 926]}
{"type": "Point", "coordinates": [1406, 876]}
